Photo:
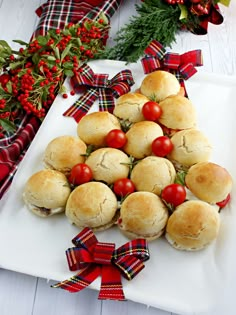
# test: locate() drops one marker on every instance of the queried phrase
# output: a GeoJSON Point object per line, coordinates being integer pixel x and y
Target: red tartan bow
{"type": "Point", "coordinates": [102, 259]}
{"type": "Point", "coordinates": [97, 86]}
{"type": "Point", "coordinates": [182, 66]}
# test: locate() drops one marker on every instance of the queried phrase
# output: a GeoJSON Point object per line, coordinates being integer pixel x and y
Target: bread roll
{"type": "Point", "coordinates": [63, 152]}
{"type": "Point", "coordinates": [129, 107]}
{"type": "Point", "coordinates": [193, 225]}
{"type": "Point", "coordinates": [92, 205]}
{"type": "Point", "coordinates": [190, 146]}
{"type": "Point", "coordinates": [108, 164]}
{"type": "Point", "coordinates": [209, 182]}
{"type": "Point", "coordinates": [178, 113]}
{"type": "Point", "coordinates": [159, 84]}
{"type": "Point", "coordinates": [153, 174]}
{"type": "Point", "coordinates": [140, 137]}
{"type": "Point", "coordinates": [143, 214]}
{"type": "Point", "coordinates": [94, 127]}
{"type": "Point", "coordinates": [46, 192]}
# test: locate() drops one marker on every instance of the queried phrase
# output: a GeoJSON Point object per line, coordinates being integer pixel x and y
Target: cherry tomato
{"type": "Point", "coordinates": [174, 194]}
{"type": "Point", "coordinates": [80, 173]}
{"type": "Point", "coordinates": [162, 146]}
{"type": "Point", "coordinates": [224, 202]}
{"type": "Point", "coordinates": [124, 186]}
{"type": "Point", "coordinates": [116, 138]}
{"type": "Point", "coordinates": [151, 111]}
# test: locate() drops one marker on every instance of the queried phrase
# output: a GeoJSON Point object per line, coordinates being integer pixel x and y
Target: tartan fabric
{"type": "Point", "coordinates": [13, 148]}
{"type": "Point", "coordinates": [56, 14]}
{"type": "Point", "coordinates": [182, 66]}
{"type": "Point", "coordinates": [97, 86]}
{"type": "Point", "coordinates": [103, 259]}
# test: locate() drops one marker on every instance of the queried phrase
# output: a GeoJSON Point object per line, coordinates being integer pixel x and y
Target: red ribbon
{"type": "Point", "coordinates": [102, 259]}
{"type": "Point", "coordinates": [97, 86]}
{"type": "Point", "coordinates": [182, 66]}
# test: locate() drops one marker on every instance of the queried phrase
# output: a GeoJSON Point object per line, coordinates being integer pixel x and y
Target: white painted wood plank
{"type": "Point", "coordinates": [17, 293]}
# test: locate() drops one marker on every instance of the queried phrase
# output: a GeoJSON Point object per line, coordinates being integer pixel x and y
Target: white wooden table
{"type": "Point", "coordinates": [27, 295]}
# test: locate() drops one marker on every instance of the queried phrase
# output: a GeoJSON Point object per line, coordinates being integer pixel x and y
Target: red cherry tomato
{"type": "Point", "coordinates": [224, 202]}
{"type": "Point", "coordinates": [162, 146]}
{"type": "Point", "coordinates": [80, 173]}
{"type": "Point", "coordinates": [151, 111]}
{"type": "Point", "coordinates": [124, 186]}
{"type": "Point", "coordinates": [174, 194]}
{"type": "Point", "coordinates": [116, 138]}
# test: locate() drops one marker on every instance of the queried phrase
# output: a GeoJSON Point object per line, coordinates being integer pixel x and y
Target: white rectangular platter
{"type": "Point", "coordinates": [176, 281]}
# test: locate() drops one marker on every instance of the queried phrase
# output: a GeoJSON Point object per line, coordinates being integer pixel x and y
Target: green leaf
{"type": "Point", "coordinates": [225, 2]}
{"type": "Point", "coordinates": [7, 125]}
{"type": "Point", "coordinates": [4, 46]}
{"type": "Point", "coordinates": [180, 177]}
{"type": "Point", "coordinates": [65, 52]}
{"type": "Point", "coordinates": [42, 40]}
{"type": "Point", "coordinates": [68, 65]}
{"type": "Point", "coordinates": [14, 65]}
{"type": "Point", "coordinates": [57, 52]}
{"type": "Point", "coordinates": [68, 73]}
{"type": "Point", "coordinates": [21, 42]}
{"type": "Point", "coordinates": [9, 86]}
{"type": "Point", "coordinates": [183, 12]}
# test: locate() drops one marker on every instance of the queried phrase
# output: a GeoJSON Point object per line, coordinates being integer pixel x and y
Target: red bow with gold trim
{"type": "Point", "coordinates": [182, 66]}
{"type": "Point", "coordinates": [102, 259]}
{"type": "Point", "coordinates": [97, 86]}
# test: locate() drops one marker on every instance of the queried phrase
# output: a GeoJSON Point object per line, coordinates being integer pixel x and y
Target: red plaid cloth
{"type": "Point", "coordinates": [53, 14]}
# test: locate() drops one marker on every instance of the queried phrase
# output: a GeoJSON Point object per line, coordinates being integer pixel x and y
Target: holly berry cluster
{"type": "Point", "coordinates": [31, 77]}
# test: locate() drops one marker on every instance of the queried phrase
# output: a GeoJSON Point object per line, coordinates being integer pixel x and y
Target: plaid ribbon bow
{"type": "Point", "coordinates": [102, 259]}
{"type": "Point", "coordinates": [97, 86]}
{"type": "Point", "coordinates": [182, 66]}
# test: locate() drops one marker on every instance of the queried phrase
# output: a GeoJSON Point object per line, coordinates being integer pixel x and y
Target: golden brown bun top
{"type": "Point", "coordinates": [140, 137]}
{"type": "Point", "coordinates": [47, 188]}
{"type": "Point", "coordinates": [159, 84]}
{"type": "Point", "coordinates": [178, 112]}
{"type": "Point", "coordinates": [143, 213]}
{"type": "Point", "coordinates": [209, 181]}
{"type": "Point", "coordinates": [129, 107]}
{"type": "Point", "coordinates": [94, 127]}
{"type": "Point", "coordinates": [190, 146]}
{"type": "Point", "coordinates": [91, 204]}
{"type": "Point", "coordinates": [63, 152]}
{"type": "Point", "coordinates": [193, 225]}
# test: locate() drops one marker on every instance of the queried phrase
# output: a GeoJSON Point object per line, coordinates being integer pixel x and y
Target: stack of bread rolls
{"type": "Point", "coordinates": [143, 213]}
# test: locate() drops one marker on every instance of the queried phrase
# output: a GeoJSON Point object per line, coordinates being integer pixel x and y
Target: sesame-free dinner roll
{"type": "Point", "coordinates": [92, 205]}
{"type": "Point", "coordinates": [108, 164]}
{"type": "Point", "coordinates": [153, 174]}
{"type": "Point", "coordinates": [143, 214]}
{"type": "Point", "coordinates": [63, 152]}
{"type": "Point", "coordinates": [94, 127]}
{"type": "Point", "coordinates": [209, 182]}
{"type": "Point", "coordinates": [129, 107]}
{"type": "Point", "coordinates": [140, 137]}
{"type": "Point", "coordinates": [159, 84]}
{"type": "Point", "coordinates": [193, 225]}
{"type": "Point", "coordinates": [46, 192]}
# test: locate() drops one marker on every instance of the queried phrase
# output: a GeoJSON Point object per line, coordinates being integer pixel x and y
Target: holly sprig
{"type": "Point", "coordinates": [31, 77]}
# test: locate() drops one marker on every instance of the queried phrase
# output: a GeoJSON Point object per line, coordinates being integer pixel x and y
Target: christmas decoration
{"type": "Point", "coordinates": [94, 258]}
{"type": "Point", "coordinates": [162, 20]}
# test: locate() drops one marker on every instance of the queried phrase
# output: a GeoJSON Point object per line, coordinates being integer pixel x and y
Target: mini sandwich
{"type": "Point", "coordinates": [108, 164]}
{"type": "Point", "coordinates": [46, 193]}
{"type": "Point", "coordinates": [178, 113]}
{"type": "Point", "coordinates": [159, 84]}
{"type": "Point", "coordinates": [209, 182]}
{"type": "Point", "coordinates": [143, 215]}
{"type": "Point", "coordinates": [190, 146]}
{"type": "Point", "coordinates": [153, 174]}
{"type": "Point", "coordinates": [92, 205]}
{"type": "Point", "coordinates": [193, 225]}
{"type": "Point", "coordinates": [63, 152]}
{"type": "Point", "coordinates": [94, 127]}
{"type": "Point", "coordinates": [129, 107]}
{"type": "Point", "coordinates": [140, 137]}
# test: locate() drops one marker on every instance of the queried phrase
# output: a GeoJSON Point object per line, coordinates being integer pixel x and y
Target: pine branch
{"type": "Point", "coordinates": [155, 20]}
